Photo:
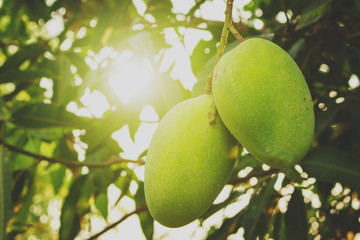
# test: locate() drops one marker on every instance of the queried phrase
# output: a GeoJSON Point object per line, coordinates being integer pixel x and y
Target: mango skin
{"type": "Point", "coordinates": [188, 163]}
{"type": "Point", "coordinates": [263, 99]}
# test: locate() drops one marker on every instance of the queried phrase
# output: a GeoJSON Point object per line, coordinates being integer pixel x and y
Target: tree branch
{"type": "Point", "coordinates": [70, 163]}
{"type": "Point", "coordinates": [236, 34]}
{"type": "Point", "coordinates": [235, 181]}
{"type": "Point", "coordinates": [136, 211]}
{"type": "Point", "coordinates": [223, 41]}
{"type": "Point", "coordinates": [220, 51]}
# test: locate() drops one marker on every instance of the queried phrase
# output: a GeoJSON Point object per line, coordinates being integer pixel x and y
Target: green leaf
{"type": "Point", "coordinates": [123, 183]}
{"type": "Point", "coordinates": [316, 10]}
{"type": "Point", "coordinates": [228, 227]}
{"type": "Point", "coordinates": [40, 115]}
{"type": "Point", "coordinates": [46, 133]}
{"type": "Point", "coordinates": [332, 165]}
{"type": "Point", "coordinates": [101, 178]}
{"type": "Point", "coordinates": [168, 93]}
{"type": "Point", "coordinates": [206, 70]}
{"type": "Point", "coordinates": [74, 206]}
{"type": "Point", "coordinates": [64, 83]}
{"type": "Point", "coordinates": [22, 161]}
{"type": "Point", "coordinates": [279, 227]}
{"type": "Point", "coordinates": [216, 207]}
{"type": "Point", "coordinates": [160, 9]}
{"type": "Point", "coordinates": [57, 178]}
{"type": "Point", "coordinates": [254, 218]}
{"type": "Point", "coordinates": [298, 45]}
{"type": "Point", "coordinates": [5, 192]}
{"type": "Point", "coordinates": [16, 76]}
{"type": "Point", "coordinates": [255, 211]}
{"type": "Point", "coordinates": [98, 136]}
{"type": "Point", "coordinates": [101, 203]}
{"type": "Point", "coordinates": [146, 220]}
{"type": "Point", "coordinates": [201, 54]}
{"type": "Point", "coordinates": [65, 149]}
{"type": "Point", "coordinates": [143, 154]}
{"type": "Point", "coordinates": [29, 52]}
{"type": "Point", "coordinates": [295, 217]}
{"type": "Point", "coordinates": [293, 175]}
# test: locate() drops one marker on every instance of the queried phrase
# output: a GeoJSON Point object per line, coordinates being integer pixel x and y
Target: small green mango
{"type": "Point", "coordinates": [263, 99]}
{"type": "Point", "coordinates": [188, 163]}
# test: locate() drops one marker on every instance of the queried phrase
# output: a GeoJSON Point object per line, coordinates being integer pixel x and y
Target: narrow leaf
{"type": "Point", "coordinates": [71, 210]}
{"type": "Point", "coordinates": [39, 115]}
{"type": "Point", "coordinates": [101, 203]}
{"type": "Point", "coordinates": [29, 52]}
{"type": "Point", "coordinates": [5, 192]}
{"type": "Point", "coordinates": [331, 165]}
{"type": "Point", "coordinates": [313, 12]}
{"type": "Point", "coordinates": [295, 217]}
{"type": "Point", "coordinates": [146, 220]}
{"type": "Point", "coordinates": [257, 206]}
{"type": "Point", "coordinates": [16, 76]}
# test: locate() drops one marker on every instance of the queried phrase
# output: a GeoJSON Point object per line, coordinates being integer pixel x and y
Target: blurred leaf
{"type": "Point", "coordinates": [160, 9]}
{"type": "Point", "coordinates": [146, 220]}
{"type": "Point", "coordinates": [123, 183]}
{"type": "Point", "coordinates": [5, 192]}
{"type": "Point", "coordinates": [228, 226]}
{"type": "Point", "coordinates": [206, 70]}
{"type": "Point", "coordinates": [168, 92]}
{"type": "Point", "coordinates": [298, 45]}
{"type": "Point", "coordinates": [16, 76]}
{"type": "Point", "coordinates": [40, 115]}
{"type": "Point", "coordinates": [101, 178]}
{"type": "Point", "coordinates": [143, 154]}
{"type": "Point", "coordinates": [293, 175]}
{"type": "Point", "coordinates": [216, 207]}
{"type": "Point", "coordinates": [46, 133]}
{"type": "Point", "coordinates": [315, 10]}
{"type": "Point", "coordinates": [254, 212]}
{"type": "Point", "coordinates": [247, 160]}
{"type": "Point", "coordinates": [325, 118]}
{"type": "Point", "coordinates": [65, 149]}
{"type": "Point", "coordinates": [202, 78]}
{"type": "Point", "coordinates": [332, 165]}
{"type": "Point", "coordinates": [295, 217]}
{"type": "Point", "coordinates": [64, 82]}
{"type": "Point", "coordinates": [22, 161]}
{"type": "Point", "coordinates": [201, 54]}
{"type": "Point", "coordinates": [101, 203]}
{"type": "Point", "coordinates": [71, 212]}
{"type": "Point", "coordinates": [98, 136]}
{"type": "Point", "coordinates": [29, 52]}
{"type": "Point", "coordinates": [279, 227]}
{"type": "Point", "coordinates": [57, 178]}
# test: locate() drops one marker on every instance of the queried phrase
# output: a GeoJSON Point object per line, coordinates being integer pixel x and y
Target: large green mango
{"type": "Point", "coordinates": [263, 99]}
{"type": "Point", "coordinates": [188, 163]}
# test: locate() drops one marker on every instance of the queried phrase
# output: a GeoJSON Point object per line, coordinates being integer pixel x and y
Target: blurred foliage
{"type": "Point", "coordinates": [54, 52]}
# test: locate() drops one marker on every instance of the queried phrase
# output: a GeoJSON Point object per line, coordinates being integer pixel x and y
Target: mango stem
{"type": "Point", "coordinates": [220, 51]}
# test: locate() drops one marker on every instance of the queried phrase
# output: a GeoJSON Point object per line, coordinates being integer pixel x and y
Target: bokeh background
{"type": "Point", "coordinates": [84, 83]}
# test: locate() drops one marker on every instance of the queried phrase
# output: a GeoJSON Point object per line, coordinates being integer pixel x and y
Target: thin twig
{"type": "Point", "coordinates": [228, 26]}
{"type": "Point", "coordinates": [235, 181]}
{"type": "Point", "coordinates": [136, 211]}
{"type": "Point", "coordinates": [223, 41]}
{"type": "Point", "coordinates": [236, 34]}
{"type": "Point", "coordinates": [70, 163]}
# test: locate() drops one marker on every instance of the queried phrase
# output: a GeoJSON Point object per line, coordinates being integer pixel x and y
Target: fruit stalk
{"type": "Point", "coordinates": [228, 26]}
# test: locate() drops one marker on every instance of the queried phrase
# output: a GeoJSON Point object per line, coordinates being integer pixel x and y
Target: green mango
{"type": "Point", "coordinates": [188, 163]}
{"type": "Point", "coordinates": [263, 99]}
